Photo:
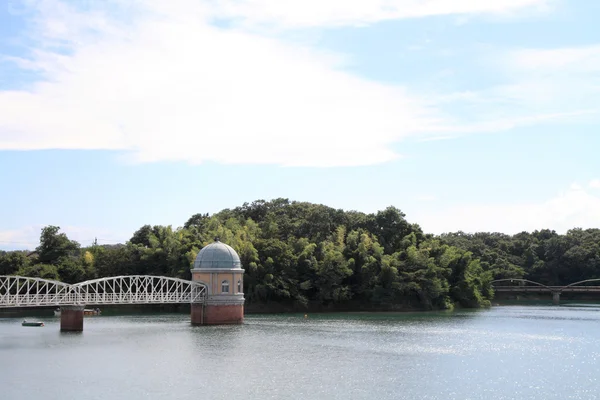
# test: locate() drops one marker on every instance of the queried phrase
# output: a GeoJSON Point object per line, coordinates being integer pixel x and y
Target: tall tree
{"type": "Point", "coordinates": [54, 246]}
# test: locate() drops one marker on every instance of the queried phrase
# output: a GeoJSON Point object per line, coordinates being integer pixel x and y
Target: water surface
{"type": "Point", "coordinates": [513, 352]}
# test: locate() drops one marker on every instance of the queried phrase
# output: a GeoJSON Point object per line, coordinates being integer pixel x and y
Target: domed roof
{"type": "Point", "coordinates": [217, 255]}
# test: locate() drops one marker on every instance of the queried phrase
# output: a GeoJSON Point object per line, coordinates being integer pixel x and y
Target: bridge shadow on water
{"type": "Point", "coordinates": [116, 310]}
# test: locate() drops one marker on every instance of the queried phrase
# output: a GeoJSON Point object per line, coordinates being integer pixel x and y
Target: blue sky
{"type": "Point", "coordinates": [465, 115]}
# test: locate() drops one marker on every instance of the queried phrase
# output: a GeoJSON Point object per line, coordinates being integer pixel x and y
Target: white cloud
{"type": "Point", "coordinates": [156, 80]}
{"type": "Point", "coordinates": [176, 88]}
{"type": "Point", "coordinates": [594, 184]}
{"type": "Point", "coordinates": [576, 207]}
{"type": "Point", "coordinates": [308, 13]}
{"type": "Point", "coordinates": [24, 238]}
{"type": "Point", "coordinates": [28, 237]}
{"type": "Point", "coordinates": [554, 80]}
{"type": "Point", "coordinates": [584, 58]}
{"type": "Point", "coordinates": [536, 86]}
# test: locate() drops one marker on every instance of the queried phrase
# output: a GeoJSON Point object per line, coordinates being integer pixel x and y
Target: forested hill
{"type": "Point", "coordinates": [298, 254]}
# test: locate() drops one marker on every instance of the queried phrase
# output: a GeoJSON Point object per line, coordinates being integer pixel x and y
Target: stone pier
{"type": "Point", "coordinates": [556, 298]}
{"type": "Point", "coordinates": [71, 318]}
{"type": "Point", "coordinates": [217, 314]}
{"type": "Point", "coordinates": [197, 314]}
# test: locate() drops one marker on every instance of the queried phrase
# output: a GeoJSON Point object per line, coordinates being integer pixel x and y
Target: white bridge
{"type": "Point", "coordinates": [20, 291]}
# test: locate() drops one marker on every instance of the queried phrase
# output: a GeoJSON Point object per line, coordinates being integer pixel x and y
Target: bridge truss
{"type": "Point", "coordinates": [19, 291]}
{"type": "Point", "coordinates": [139, 289]}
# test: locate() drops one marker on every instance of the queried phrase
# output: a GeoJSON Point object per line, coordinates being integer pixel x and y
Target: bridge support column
{"type": "Point", "coordinates": [71, 318]}
{"type": "Point", "coordinates": [217, 314]}
{"type": "Point", "coordinates": [556, 298]}
{"type": "Point", "coordinates": [223, 314]}
{"type": "Point", "coordinates": [197, 314]}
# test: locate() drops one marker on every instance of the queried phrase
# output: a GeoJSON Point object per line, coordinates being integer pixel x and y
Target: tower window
{"type": "Point", "coordinates": [225, 286]}
{"type": "Point", "coordinates": [239, 286]}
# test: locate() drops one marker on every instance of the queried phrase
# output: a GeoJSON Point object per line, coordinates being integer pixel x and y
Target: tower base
{"type": "Point", "coordinates": [217, 314]}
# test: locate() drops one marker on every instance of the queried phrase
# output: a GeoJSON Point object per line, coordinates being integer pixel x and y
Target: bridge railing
{"type": "Point", "coordinates": [37, 300]}
{"type": "Point", "coordinates": [134, 298]}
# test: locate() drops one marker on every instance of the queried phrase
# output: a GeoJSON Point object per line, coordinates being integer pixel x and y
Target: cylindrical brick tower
{"type": "Point", "coordinates": [218, 266]}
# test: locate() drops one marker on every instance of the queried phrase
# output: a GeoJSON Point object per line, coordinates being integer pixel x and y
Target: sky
{"type": "Point", "coordinates": [465, 114]}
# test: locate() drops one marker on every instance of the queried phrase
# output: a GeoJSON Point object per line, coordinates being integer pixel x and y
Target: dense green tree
{"type": "Point", "coordinates": [45, 271]}
{"type": "Point", "coordinates": [11, 262]}
{"type": "Point", "coordinates": [299, 254]}
{"type": "Point", "coordinates": [54, 246]}
{"type": "Point", "coordinates": [391, 228]}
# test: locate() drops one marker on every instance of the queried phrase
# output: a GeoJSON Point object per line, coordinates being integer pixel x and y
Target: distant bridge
{"type": "Point", "coordinates": [525, 285]}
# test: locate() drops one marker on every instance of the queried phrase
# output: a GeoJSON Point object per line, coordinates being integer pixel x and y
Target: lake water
{"type": "Point", "coordinates": [509, 352]}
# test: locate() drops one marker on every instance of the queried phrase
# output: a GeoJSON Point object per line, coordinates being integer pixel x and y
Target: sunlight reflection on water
{"type": "Point", "coordinates": [500, 353]}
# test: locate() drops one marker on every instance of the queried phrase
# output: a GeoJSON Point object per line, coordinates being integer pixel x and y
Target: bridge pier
{"type": "Point", "coordinates": [197, 314]}
{"type": "Point", "coordinates": [217, 314]}
{"type": "Point", "coordinates": [71, 318]}
{"type": "Point", "coordinates": [222, 314]}
{"type": "Point", "coordinates": [556, 298]}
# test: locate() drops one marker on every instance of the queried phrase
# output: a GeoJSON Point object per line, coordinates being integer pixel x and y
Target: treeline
{"type": "Point", "coordinates": [300, 254]}
{"type": "Point", "coordinates": [541, 256]}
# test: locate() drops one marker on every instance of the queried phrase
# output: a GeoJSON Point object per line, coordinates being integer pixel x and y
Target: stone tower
{"type": "Point", "coordinates": [218, 266]}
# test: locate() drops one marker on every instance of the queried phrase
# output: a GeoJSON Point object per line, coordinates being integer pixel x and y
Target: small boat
{"type": "Point", "coordinates": [32, 323]}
